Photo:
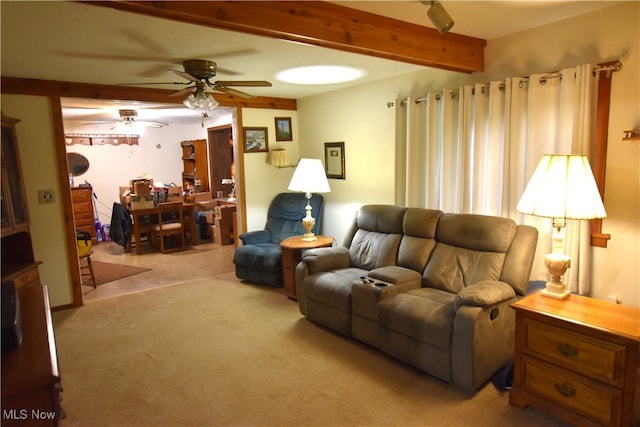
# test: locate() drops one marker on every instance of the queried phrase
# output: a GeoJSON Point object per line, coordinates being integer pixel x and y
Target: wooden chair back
{"type": "Point", "coordinates": [170, 223]}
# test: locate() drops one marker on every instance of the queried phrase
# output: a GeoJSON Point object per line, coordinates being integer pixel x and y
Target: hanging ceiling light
{"type": "Point", "coordinates": [200, 100]}
{"type": "Point", "coordinates": [440, 18]}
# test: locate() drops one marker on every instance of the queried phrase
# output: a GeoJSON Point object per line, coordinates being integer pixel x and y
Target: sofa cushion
{"type": "Point", "coordinates": [419, 228]}
{"type": "Point", "coordinates": [371, 249]}
{"type": "Point", "coordinates": [426, 315]}
{"type": "Point", "coordinates": [332, 288]}
{"type": "Point", "coordinates": [470, 249]}
{"type": "Point", "coordinates": [452, 269]}
{"type": "Point", "coordinates": [476, 232]}
{"type": "Point", "coordinates": [381, 218]}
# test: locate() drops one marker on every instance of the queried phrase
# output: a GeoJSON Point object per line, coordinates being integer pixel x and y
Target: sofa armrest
{"type": "Point", "coordinates": [326, 259]}
{"type": "Point", "coordinates": [484, 294]}
{"type": "Point", "coordinates": [255, 237]}
{"type": "Point", "coordinates": [315, 261]}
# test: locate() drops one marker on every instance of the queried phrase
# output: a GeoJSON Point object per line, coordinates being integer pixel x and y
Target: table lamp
{"type": "Point", "coordinates": [232, 195]}
{"type": "Point", "coordinates": [562, 187]}
{"type": "Point", "coordinates": [309, 177]}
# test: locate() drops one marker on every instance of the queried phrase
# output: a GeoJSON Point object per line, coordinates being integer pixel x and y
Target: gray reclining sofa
{"type": "Point", "coordinates": [429, 288]}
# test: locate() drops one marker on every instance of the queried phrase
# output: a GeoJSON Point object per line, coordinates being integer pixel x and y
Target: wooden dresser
{"type": "Point", "coordinates": [83, 212]}
{"type": "Point", "coordinates": [30, 377]}
{"type": "Point", "coordinates": [578, 359]}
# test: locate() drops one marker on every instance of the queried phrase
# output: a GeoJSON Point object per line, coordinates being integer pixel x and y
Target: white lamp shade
{"type": "Point", "coordinates": [310, 177]}
{"type": "Point", "coordinates": [562, 186]}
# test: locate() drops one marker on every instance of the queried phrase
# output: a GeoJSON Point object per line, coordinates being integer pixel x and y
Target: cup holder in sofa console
{"type": "Point", "coordinates": [380, 285]}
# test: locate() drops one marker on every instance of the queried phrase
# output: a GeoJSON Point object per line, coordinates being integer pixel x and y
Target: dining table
{"type": "Point", "coordinates": [139, 228]}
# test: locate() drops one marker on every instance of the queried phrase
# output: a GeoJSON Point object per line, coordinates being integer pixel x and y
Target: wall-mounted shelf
{"type": "Point", "coordinates": [631, 135]}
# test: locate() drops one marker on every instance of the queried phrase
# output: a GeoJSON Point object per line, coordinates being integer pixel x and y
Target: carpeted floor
{"type": "Point", "coordinates": [219, 352]}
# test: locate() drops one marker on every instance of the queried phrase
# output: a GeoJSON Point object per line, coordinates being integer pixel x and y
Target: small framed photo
{"type": "Point", "coordinates": [283, 129]}
{"type": "Point", "coordinates": [334, 159]}
{"type": "Point", "coordinates": [256, 140]}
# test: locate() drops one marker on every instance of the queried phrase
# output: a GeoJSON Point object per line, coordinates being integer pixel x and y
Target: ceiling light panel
{"type": "Point", "coordinates": [319, 75]}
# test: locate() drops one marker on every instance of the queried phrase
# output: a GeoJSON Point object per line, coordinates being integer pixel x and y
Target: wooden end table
{"type": "Point", "coordinates": [578, 359]}
{"type": "Point", "coordinates": [291, 256]}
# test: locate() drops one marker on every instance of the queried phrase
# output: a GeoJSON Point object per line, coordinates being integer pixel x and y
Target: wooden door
{"type": "Point", "coordinates": [222, 161]}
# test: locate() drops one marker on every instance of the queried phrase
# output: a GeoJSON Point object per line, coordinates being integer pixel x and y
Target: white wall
{"type": "Point", "coordinates": [157, 154]}
{"type": "Point", "coordinates": [262, 181]}
{"type": "Point", "coordinates": [358, 116]}
{"type": "Point", "coordinates": [36, 144]}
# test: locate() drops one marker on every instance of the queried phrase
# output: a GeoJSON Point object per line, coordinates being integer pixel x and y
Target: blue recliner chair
{"type": "Point", "coordinates": [259, 259]}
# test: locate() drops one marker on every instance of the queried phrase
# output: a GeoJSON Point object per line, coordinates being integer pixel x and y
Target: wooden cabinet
{"type": "Point", "coordinates": [195, 166]}
{"type": "Point", "coordinates": [18, 262]}
{"type": "Point", "coordinates": [15, 217]}
{"type": "Point", "coordinates": [578, 359]}
{"type": "Point", "coordinates": [30, 376]}
{"type": "Point", "coordinates": [83, 211]}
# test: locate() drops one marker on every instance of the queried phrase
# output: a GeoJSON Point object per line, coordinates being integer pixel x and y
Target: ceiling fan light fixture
{"type": "Point", "coordinates": [201, 101]}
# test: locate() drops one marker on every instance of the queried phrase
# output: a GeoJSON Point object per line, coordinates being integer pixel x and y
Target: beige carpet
{"type": "Point", "coordinates": [106, 272]}
{"type": "Point", "coordinates": [218, 352]}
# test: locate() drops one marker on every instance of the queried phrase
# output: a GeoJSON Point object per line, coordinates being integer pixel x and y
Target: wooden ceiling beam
{"type": "Point", "coordinates": [323, 24]}
{"type": "Point", "coordinates": [21, 86]}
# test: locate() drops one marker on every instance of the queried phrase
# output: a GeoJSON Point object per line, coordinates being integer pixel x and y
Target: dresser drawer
{"type": "Point", "coordinates": [590, 399]}
{"type": "Point", "coordinates": [27, 277]}
{"type": "Point", "coordinates": [81, 195]}
{"type": "Point", "coordinates": [580, 353]}
{"type": "Point", "coordinates": [85, 218]}
{"type": "Point", "coordinates": [82, 208]}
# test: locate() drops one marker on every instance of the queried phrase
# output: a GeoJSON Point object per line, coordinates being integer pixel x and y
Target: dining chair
{"type": "Point", "coordinates": [83, 241]}
{"type": "Point", "coordinates": [170, 223]}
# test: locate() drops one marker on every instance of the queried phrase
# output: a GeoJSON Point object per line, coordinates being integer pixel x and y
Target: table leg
{"type": "Point", "coordinates": [136, 233]}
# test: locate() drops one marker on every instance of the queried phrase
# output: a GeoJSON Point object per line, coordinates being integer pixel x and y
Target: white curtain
{"type": "Point", "coordinates": [473, 150]}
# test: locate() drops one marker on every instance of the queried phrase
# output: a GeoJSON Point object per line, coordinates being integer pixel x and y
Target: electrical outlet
{"type": "Point", "coordinates": [46, 196]}
{"type": "Point", "coordinates": [614, 299]}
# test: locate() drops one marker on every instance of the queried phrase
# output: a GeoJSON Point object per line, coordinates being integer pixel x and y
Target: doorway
{"type": "Point", "coordinates": [222, 163]}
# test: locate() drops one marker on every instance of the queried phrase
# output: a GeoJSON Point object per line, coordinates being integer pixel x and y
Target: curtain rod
{"type": "Point", "coordinates": [608, 67]}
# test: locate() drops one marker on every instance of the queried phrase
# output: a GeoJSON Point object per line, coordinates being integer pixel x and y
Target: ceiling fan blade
{"type": "Point", "coordinates": [185, 75]}
{"type": "Point", "coordinates": [255, 83]}
{"type": "Point", "coordinates": [100, 123]}
{"type": "Point", "coordinates": [149, 84]}
{"type": "Point", "coordinates": [230, 91]}
{"type": "Point", "coordinates": [152, 124]}
{"type": "Point", "coordinates": [184, 91]}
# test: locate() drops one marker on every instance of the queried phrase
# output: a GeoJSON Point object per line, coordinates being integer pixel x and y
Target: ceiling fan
{"type": "Point", "coordinates": [128, 119]}
{"type": "Point", "coordinates": [198, 72]}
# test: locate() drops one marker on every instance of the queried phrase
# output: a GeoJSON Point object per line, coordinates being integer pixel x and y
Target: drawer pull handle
{"type": "Point", "coordinates": [567, 349]}
{"type": "Point", "coordinates": [565, 390]}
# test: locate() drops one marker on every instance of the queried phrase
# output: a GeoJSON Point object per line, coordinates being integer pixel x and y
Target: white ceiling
{"type": "Point", "coordinates": [71, 41]}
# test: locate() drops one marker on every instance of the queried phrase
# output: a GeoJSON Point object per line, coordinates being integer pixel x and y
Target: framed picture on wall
{"type": "Point", "coordinates": [256, 140]}
{"type": "Point", "coordinates": [334, 159]}
{"type": "Point", "coordinates": [283, 129]}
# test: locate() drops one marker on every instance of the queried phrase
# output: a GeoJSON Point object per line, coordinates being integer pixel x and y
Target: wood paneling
{"type": "Point", "coordinates": [53, 88]}
{"type": "Point", "coordinates": [324, 24]}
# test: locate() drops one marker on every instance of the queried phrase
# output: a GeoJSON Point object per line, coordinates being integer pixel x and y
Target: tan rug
{"type": "Point", "coordinates": [106, 272]}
